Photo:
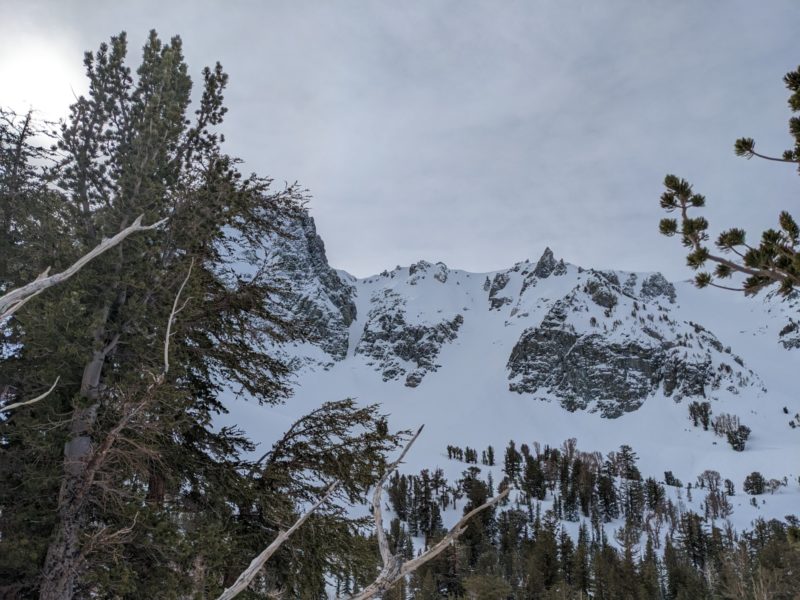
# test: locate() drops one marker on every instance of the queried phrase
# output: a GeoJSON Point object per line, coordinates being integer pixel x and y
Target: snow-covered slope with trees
{"type": "Point", "coordinates": [547, 351]}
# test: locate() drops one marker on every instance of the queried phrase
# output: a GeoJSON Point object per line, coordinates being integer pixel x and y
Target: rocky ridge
{"type": "Point", "coordinates": [597, 340]}
{"type": "Point", "coordinates": [607, 346]}
{"type": "Point", "coordinates": [317, 297]}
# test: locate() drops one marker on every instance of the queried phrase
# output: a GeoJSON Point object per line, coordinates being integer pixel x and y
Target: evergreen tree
{"type": "Point", "coordinates": [581, 566]}
{"type": "Point", "coordinates": [775, 260]}
{"type": "Point", "coordinates": [533, 481]}
{"type": "Point", "coordinates": [607, 494]}
{"type": "Point", "coordinates": [512, 463]}
{"type": "Point", "coordinates": [650, 588]}
{"type": "Point", "coordinates": [118, 485]}
{"type": "Point", "coordinates": [754, 484]}
{"type": "Point", "coordinates": [543, 569]}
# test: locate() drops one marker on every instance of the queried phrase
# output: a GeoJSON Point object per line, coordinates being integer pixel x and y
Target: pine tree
{"type": "Point", "coordinates": [650, 588]}
{"type": "Point", "coordinates": [118, 484]}
{"type": "Point", "coordinates": [581, 566]}
{"type": "Point", "coordinates": [754, 484]}
{"type": "Point", "coordinates": [533, 481]}
{"type": "Point", "coordinates": [512, 463]}
{"type": "Point", "coordinates": [775, 260]}
{"type": "Point", "coordinates": [607, 494]}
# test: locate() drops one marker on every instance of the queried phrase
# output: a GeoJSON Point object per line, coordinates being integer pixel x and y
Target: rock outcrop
{"type": "Point", "coordinates": [603, 349]}
{"type": "Point", "coordinates": [318, 298]}
{"type": "Point", "coordinates": [397, 347]}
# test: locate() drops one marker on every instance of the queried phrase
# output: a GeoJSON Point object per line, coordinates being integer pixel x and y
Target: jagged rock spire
{"type": "Point", "coordinates": [546, 265]}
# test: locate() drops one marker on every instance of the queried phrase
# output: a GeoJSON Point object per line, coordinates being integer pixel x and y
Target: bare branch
{"type": "Point", "coordinates": [252, 570]}
{"type": "Point", "coordinates": [171, 320]}
{"type": "Point", "coordinates": [393, 568]}
{"type": "Point", "coordinates": [12, 301]}
{"type": "Point", "coordinates": [412, 565]}
{"type": "Point", "coordinates": [391, 565]}
{"type": "Point", "coordinates": [31, 401]}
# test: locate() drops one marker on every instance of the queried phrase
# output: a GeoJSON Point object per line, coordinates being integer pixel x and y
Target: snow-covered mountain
{"type": "Point", "coordinates": [546, 351]}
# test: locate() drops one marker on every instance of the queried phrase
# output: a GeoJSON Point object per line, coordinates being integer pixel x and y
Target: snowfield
{"type": "Point", "coordinates": [463, 395]}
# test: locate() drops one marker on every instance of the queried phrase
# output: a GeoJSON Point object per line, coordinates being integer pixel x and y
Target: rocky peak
{"type": "Point", "coordinates": [420, 270]}
{"type": "Point", "coordinates": [546, 264]}
{"type": "Point", "coordinates": [317, 295]}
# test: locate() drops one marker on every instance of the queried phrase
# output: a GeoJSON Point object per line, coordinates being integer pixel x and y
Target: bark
{"type": "Point", "coordinates": [64, 558]}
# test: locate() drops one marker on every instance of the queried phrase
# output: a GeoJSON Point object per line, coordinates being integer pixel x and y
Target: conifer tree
{"type": "Point", "coordinates": [118, 485]}
{"type": "Point", "coordinates": [512, 462]}
{"type": "Point", "coordinates": [776, 258]}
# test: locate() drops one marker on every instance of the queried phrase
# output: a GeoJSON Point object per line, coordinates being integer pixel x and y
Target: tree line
{"type": "Point", "coordinates": [550, 538]}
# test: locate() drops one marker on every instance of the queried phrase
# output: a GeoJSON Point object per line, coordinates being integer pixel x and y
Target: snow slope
{"type": "Point", "coordinates": [435, 345]}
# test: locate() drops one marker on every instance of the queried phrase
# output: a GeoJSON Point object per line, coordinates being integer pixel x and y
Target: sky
{"type": "Point", "coordinates": [473, 133]}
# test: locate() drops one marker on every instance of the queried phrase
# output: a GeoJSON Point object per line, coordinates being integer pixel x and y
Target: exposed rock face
{"type": "Point", "coordinates": [318, 298]}
{"type": "Point", "coordinates": [790, 335]}
{"type": "Point", "coordinates": [399, 348]}
{"type": "Point", "coordinates": [545, 267]}
{"type": "Point", "coordinates": [419, 270]}
{"type": "Point", "coordinates": [788, 307]}
{"type": "Point", "coordinates": [592, 340]}
{"type": "Point", "coordinates": [656, 286]}
{"type": "Point", "coordinates": [614, 359]}
{"type": "Point", "coordinates": [496, 302]}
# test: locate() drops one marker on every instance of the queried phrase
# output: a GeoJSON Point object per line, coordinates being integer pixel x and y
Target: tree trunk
{"type": "Point", "coordinates": [64, 557]}
{"type": "Point", "coordinates": [64, 554]}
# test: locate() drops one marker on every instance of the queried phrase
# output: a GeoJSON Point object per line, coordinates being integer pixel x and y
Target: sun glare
{"type": "Point", "coordinates": [39, 74]}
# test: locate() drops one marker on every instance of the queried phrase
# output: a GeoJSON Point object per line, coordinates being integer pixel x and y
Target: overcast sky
{"type": "Point", "coordinates": [475, 133]}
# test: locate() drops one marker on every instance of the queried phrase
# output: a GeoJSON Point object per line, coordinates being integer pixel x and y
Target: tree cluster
{"type": "Point", "coordinates": [117, 483]}
{"type": "Point", "coordinates": [724, 425]}
{"type": "Point", "coordinates": [523, 550]}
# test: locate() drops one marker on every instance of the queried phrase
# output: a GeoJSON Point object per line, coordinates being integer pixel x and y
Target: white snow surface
{"type": "Point", "coordinates": [467, 401]}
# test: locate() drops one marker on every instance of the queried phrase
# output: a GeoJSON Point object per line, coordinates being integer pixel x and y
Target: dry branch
{"type": "Point", "coordinates": [32, 400]}
{"type": "Point", "coordinates": [15, 299]}
{"type": "Point", "coordinates": [12, 301]}
{"type": "Point", "coordinates": [252, 570]}
{"type": "Point", "coordinates": [394, 569]}
{"type": "Point", "coordinates": [172, 315]}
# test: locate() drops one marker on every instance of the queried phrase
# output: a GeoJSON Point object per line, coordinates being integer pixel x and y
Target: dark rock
{"type": "Point", "coordinates": [546, 264]}
{"type": "Point", "coordinates": [615, 370]}
{"type": "Point", "coordinates": [316, 297]}
{"type": "Point", "coordinates": [394, 343]}
{"type": "Point", "coordinates": [790, 335]}
{"type": "Point", "coordinates": [499, 282]}
{"type": "Point", "coordinates": [656, 286]}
